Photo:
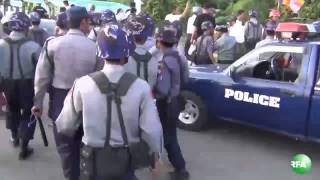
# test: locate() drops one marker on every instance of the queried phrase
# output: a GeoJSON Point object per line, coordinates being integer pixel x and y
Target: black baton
{"type": "Point", "coordinates": [42, 131]}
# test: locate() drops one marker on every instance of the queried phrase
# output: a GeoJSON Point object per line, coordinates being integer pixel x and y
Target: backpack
{"type": "Point", "coordinates": [142, 59]}
{"type": "Point", "coordinates": [37, 35]}
{"type": "Point", "coordinates": [113, 162]}
{"type": "Point", "coordinates": [197, 56]}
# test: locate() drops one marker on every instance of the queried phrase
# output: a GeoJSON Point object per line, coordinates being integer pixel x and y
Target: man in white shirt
{"type": "Point", "coordinates": [175, 16]}
{"type": "Point", "coordinates": [237, 31]}
{"type": "Point", "coordinates": [195, 12]}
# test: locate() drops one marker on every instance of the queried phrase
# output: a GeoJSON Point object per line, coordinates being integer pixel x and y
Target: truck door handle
{"type": "Point", "coordinates": [287, 93]}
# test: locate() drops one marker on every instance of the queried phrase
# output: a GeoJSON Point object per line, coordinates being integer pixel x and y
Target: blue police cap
{"type": "Point", "coordinates": [76, 13]}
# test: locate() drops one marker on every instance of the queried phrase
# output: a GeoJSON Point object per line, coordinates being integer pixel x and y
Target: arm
{"type": "Point", "coordinates": [210, 49]}
{"type": "Point", "coordinates": [186, 10]}
{"type": "Point", "coordinates": [69, 119]}
{"type": "Point", "coordinates": [194, 31]}
{"type": "Point", "coordinates": [43, 76]}
{"type": "Point", "coordinates": [150, 123]}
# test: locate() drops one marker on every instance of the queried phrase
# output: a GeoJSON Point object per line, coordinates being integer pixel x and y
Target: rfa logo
{"type": "Point", "coordinates": [298, 164]}
{"type": "Point", "coordinates": [301, 164]}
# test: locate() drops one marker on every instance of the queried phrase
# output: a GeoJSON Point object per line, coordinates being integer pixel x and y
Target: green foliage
{"type": "Point", "coordinates": [311, 9]}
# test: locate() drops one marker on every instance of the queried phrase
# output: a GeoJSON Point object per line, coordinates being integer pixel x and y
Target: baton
{"type": "Point", "coordinates": [42, 131]}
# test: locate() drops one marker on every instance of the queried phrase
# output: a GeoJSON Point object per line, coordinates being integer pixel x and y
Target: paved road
{"type": "Point", "coordinates": [225, 152]}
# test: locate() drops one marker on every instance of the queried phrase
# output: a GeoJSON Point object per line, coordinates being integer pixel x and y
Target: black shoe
{"type": "Point", "coordinates": [25, 153]}
{"type": "Point", "coordinates": [14, 141]}
{"type": "Point", "coordinates": [180, 175]}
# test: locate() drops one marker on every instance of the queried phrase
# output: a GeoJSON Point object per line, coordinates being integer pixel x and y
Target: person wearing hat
{"type": "Point", "coordinates": [270, 37]}
{"type": "Point", "coordinates": [204, 45]}
{"type": "Point", "coordinates": [135, 120]}
{"type": "Point", "coordinates": [141, 63]}
{"type": "Point", "coordinates": [167, 93]}
{"type": "Point", "coordinates": [36, 33]}
{"type": "Point", "coordinates": [195, 12]}
{"type": "Point", "coordinates": [150, 26]}
{"type": "Point", "coordinates": [252, 31]}
{"type": "Point", "coordinates": [225, 46]}
{"type": "Point", "coordinates": [19, 57]}
{"type": "Point", "coordinates": [106, 17]}
{"type": "Point", "coordinates": [64, 59]}
{"type": "Point", "coordinates": [273, 21]}
{"type": "Point", "coordinates": [61, 24]}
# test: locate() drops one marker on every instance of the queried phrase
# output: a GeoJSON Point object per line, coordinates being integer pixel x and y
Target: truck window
{"type": "Point", "coordinates": [276, 64]}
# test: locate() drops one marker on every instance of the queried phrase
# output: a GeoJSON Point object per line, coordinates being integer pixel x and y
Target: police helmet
{"type": "Point", "coordinates": [137, 26]}
{"type": "Point", "coordinates": [107, 16]}
{"type": "Point", "coordinates": [253, 13]}
{"type": "Point", "coordinates": [34, 17]}
{"type": "Point", "coordinates": [113, 43]}
{"type": "Point", "coordinates": [206, 25]}
{"type": "Point", "coordinates": [150, 23]}
{"type": "Point", "coordinates": [167, 36]}
{"type": "Point", "coordinates": [19, 21]}
{"type": "Point", "coordinates": [62, 20]}
{"type": "Point", "coordinates": [95, 19]}
{"type": "Point", "coordinates": [222, 28]}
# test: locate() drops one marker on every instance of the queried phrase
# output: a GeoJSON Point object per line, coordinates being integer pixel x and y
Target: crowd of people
{"type": "Point", "coordinates": [113, 80]}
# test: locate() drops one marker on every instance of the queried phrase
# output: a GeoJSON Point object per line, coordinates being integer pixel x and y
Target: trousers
{"type": "Point", "coordinates": [19, 95]}
{"type": "Point", "coordinates": [68, 148]}
{"type": "Point", "coordinates": [168, 113]}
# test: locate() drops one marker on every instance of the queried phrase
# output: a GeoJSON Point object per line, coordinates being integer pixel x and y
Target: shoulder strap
{"type": "Point", "coordinates": [114, 92]}
{"type": "Point", "coordinates": [45, 47]}
{"type": "Point", "coordinates": [142, 59]}
{"type": "Point", "coordinates": [19, 44]}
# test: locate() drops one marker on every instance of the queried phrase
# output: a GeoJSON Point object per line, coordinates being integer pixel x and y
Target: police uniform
{"type": "Point", "coordinates": [106, 17]}
{"type": "Point", "coordinates": [36, 33]}
{"type": "Point", "coordinates": [225, 46]}
{"type": "Point", "coordinates": [152, 66]}
{"type": "Point", "coordinates": [167, 92]}
{"type": "Point", "coordinates": [204, 46]}
{"type": "Point", "coordinates": [18, 60]}
{"type": "Point", "coordinates": [64, 59]}
{"type": "Point", "coordinates": [137, 105]}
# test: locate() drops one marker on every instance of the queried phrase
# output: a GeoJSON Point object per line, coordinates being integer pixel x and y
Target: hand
{"type": "Point", "coordinates": [188, 5]}
{"type": "Point", "coordinates": [36, 111]}
{"type": "Point", "coordinates": [156, 170]}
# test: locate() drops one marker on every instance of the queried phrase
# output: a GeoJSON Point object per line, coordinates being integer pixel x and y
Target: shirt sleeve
{"type": "Point", "coordinates": [197, 22]}
{"type": "Point", "coordinates": [43, 77]}
{"type": "Point", "coordinates": [210, 46]}
{"type": "Point", "coordinates": [69, 119]}
{"type": "Point", "coordinates": [150, 123]}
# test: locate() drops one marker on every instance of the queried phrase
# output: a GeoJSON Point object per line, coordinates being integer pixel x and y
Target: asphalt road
{"type": "Point", "coordinates": [224, 152]}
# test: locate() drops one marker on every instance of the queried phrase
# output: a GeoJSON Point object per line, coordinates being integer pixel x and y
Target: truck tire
{"type": "Point", "coordinates": [194, 117]}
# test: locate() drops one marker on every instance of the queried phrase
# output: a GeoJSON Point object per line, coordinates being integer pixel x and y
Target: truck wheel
{"type": "Point", "coordinates": [195, 114]}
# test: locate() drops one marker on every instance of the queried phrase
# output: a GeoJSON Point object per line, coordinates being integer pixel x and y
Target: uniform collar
{"type": "Point", "coordinates": [111, 68]}
{"type": "Point", "coordinates": [75, 32]}
{"type": "Point", "coordinates": [141, 46]}
{"type": "Point", "coordinates": [15, 35]}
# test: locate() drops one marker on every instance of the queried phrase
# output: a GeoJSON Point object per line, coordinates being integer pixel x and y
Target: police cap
{"type": "Point", "coordinates": [222, 28]}
{"type": "Point", "coordinates": [77, 13]}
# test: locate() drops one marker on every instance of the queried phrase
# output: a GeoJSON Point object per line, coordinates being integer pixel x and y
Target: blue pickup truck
{"type": "Point", "coordinates": [274, 88]}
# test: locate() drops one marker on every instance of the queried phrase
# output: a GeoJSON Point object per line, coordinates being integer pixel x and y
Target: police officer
{"type": "Point", "coordinates": [141, 62]}
{"type": "Point", "coordinates": [64, 59]}
{"type": "Point", "coordinates": [61, 24]}
{"type": "Point", "coordinates": [167, 93]}
{"type": "Point", "coordinates": [225, 46]}
{"type": "Point", "coordinates": [18, 60]}
{"type": "Point", "coordinates": [139, 110]}
{"type": "Point", "coordinates": [204, 45]}
{"type": "Point", "coordinates": [150, 26]}
{"type": "Point", "coordinates": [36, 33]}
{"type": "Point", "coordinates": [107, 17]}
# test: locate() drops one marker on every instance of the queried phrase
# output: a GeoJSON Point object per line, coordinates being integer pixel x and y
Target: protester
{"type": "Point", "coordinates": [65, 59]}
{"type": "Point", "coordinates": [237, 31]}
{"type": "Point", "coordinates": [252, 31]}
{"type": "Point", "coordinates": [224, 47]}
{"type": "Point", "coordinates": [196, 11]}
{"type": "Point", "coordinates": [175, 14]}
{"type": "Point", "coordinates": [205, 16]}
{"type": "Point", "coordinates": [19, 57]}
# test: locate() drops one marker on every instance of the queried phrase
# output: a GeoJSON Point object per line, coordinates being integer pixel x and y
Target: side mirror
{"type": "Point", "coordinates": [232, 72]}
